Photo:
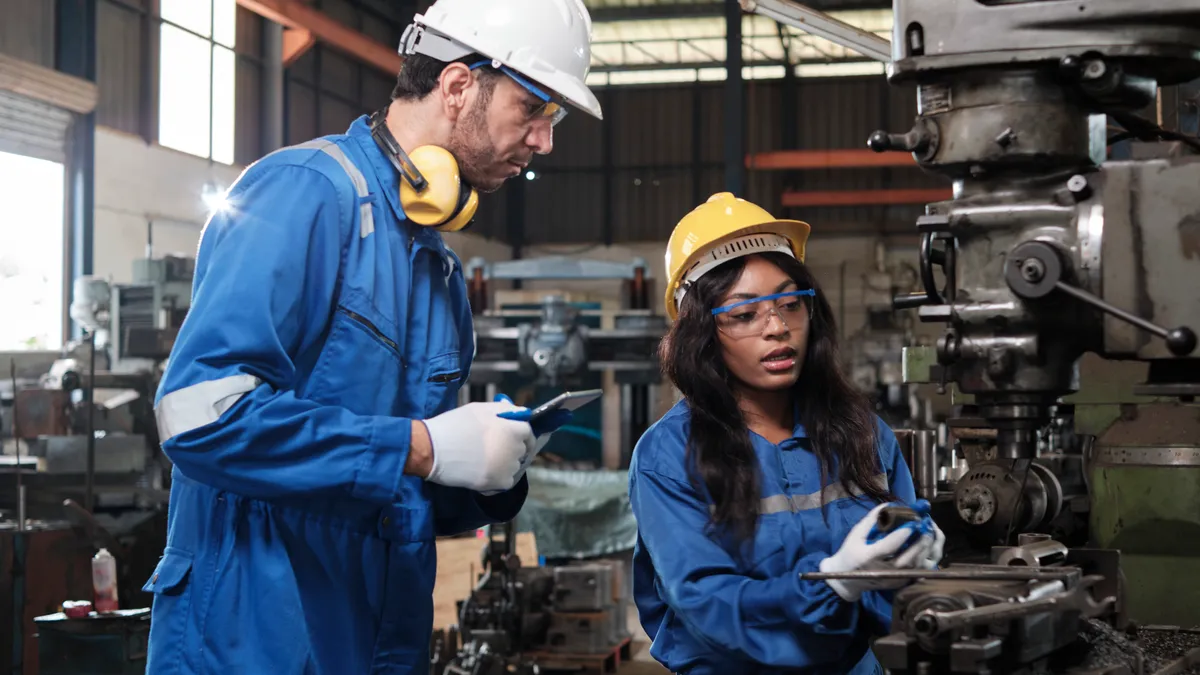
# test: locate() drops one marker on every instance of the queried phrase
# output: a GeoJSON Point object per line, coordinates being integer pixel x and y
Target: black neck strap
{"type": "Point", "coordinates": [390, 147]}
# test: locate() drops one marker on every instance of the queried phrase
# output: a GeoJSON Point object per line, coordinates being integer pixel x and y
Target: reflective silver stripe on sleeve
{"type": "Point", "coordinates": [797, 503]}
{"type": "Point", "coordinates": [200, 404]}
{"type": "Point", "coordinates": [774, 504]}
{"type": "Point", "coordinates": [366, 215]}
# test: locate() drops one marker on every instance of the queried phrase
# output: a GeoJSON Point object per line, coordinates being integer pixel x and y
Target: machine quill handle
{"type": "Point", "coordinates": [1034, 270]}
{"type": "Point", "coordinates": [1181, 341]}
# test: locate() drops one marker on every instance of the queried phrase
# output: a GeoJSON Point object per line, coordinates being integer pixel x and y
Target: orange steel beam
{"type": "Point", "coordinates": [865, 197]}
{"type": "Point", "coordinates": [827, 159]}
{"type": "Point", "coordinates": [296, 15]}
{"type": "Point", "coordinates": [296, 41]}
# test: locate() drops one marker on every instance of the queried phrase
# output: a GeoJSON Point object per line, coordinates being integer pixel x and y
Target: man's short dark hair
{"type": "Point", "coordinates": [419, 76]}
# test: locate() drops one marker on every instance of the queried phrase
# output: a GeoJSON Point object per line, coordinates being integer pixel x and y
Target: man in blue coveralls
{"type": "Point", "coordinates": [309, 402]}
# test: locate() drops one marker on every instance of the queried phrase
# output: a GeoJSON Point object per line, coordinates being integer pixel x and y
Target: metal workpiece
{"type": "Point", "coordinates": [1042, 553]}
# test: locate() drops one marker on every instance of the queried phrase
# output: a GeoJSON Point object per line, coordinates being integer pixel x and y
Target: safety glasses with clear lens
{"type": "Point", "coordinates": [555, 110]}
{"type": "Point", "coordinates": [748, 318]}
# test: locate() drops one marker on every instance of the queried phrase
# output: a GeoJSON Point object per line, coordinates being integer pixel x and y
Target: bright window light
{"type": "Point", "coordinates": [194, 15]}
{"type": "Point", "coordinates": [197, 82]}
{"type": "Point", "coordinates": [31, 253]}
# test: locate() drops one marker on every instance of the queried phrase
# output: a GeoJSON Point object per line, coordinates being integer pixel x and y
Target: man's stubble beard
{"type": "Point", "coordinates": [472, 147]}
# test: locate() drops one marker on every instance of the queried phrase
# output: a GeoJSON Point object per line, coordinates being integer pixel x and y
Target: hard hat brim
{"type": "Point", "coordinates": [795, 231]}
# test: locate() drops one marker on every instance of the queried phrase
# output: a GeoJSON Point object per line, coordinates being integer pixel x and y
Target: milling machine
{"type": "Point", "coordinates": [1048, 252]}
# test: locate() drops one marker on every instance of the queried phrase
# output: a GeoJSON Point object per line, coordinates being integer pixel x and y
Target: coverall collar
{"type": "Point", "coordinates": [799, 433]}
{"type": "Point", "coordinates": [389, 179]}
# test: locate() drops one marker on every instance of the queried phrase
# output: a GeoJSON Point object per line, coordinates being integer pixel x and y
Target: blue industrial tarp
{"type": "Point", "coordinates": [578, 514]}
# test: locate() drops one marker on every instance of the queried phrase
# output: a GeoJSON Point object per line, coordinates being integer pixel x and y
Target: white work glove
{"type": "Point", "coordinates": [856, 554]}
{"type": "Point", "coordinates": [475, 449]}
{"type": "Point", "coordinates": [933, 552]}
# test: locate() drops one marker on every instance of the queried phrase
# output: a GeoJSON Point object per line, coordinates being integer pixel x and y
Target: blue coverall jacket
{"type": "Point", "coordinates": [321, 323]}
{"type": "Point", "coordinates": [709, 612]}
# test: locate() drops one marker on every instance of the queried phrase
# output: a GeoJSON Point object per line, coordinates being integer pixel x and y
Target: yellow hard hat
{"type": "Point", "coordinates": [720, 229]}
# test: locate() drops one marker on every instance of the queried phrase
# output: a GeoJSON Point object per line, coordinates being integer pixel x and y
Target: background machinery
{"type": "Point", "coordinates": [81, 451]}
{"type": "Point", "coordinates": [544, 348]}
{"type": "Point", "coordinates": [1062, 239]}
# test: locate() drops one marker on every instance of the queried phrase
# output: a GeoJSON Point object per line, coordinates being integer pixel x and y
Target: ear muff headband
{"type": "Point", "coordinates": [444, 200]}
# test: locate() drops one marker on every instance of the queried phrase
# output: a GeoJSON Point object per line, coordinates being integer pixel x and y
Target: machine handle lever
{"type": "Point", "coordinates": [1181, 341]}
{"type": "Point", "coordinates": [1034, 270]}
{"type": "Point", "coordinates": [912, 301]}
{"type": "Point", "coordinates": [911, 141]}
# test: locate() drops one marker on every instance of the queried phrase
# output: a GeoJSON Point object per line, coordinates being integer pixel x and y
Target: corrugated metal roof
{"type": "Point", "coordinates": [702, 40]}
{"type": "Point", "coordinates": [666, 155]}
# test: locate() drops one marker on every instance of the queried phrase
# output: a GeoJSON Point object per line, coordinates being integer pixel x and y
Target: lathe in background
{"type": "Point", "coordinates": [533, 351]}
{"type": "Point", "coordinates": [81, 466]}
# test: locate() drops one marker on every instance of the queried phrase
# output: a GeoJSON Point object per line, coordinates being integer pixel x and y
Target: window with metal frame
{"type": "Point", "coordinates": [197, 77]}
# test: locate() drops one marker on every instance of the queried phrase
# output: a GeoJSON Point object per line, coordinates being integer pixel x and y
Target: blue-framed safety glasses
{"type": "Point", "coordinates": [551, 108]}
{"type": "Point", "coordinates": [750, 317]}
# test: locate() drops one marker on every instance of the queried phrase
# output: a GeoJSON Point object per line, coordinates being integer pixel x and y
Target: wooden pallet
{"type": "Point", "coordinates": [590, 664]}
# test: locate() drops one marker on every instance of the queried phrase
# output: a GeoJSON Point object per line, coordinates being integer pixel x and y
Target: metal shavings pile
{"type": "Point", "coordinates": [1109, 647]}
{"type": "Point", "coordinates": [1164, 647]}
{"type": "Point", "coordinates": [1151, 650]}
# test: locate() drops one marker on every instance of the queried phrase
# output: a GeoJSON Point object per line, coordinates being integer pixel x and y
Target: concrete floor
{"type": "Point", "coordinates": [641, 663]}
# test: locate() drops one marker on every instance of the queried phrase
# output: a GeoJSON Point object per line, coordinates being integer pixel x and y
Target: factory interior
{"type": "Point", "coordinates": [1005, 223]}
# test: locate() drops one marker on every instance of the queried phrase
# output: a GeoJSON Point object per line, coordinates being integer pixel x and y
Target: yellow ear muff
{"type": "Point", "coordinates": [447, 202]}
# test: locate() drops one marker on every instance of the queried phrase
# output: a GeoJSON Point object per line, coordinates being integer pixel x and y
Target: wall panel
{"type": "Point", "coordinates": [27, 30]}
{"type": "Point", "coordinates": [121, 67]}
{"type": "Point", "coordinates": [564, 207]}
{"type": "Point", "coordinates": [248, 104]}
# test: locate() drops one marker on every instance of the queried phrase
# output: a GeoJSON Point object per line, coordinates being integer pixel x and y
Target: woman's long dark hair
{"type": "Point", "coordinates": [837, 417]}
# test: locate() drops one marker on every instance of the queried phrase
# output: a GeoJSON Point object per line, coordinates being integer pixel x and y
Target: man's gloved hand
{"type": "Point", "coordinates": [857, 553]}
{"type": "Point", "coordinates": [542, 428]}
{"type": "Point", "coordinates": [475, 448]}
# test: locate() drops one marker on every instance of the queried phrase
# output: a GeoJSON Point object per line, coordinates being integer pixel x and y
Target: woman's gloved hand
{"type": "Point", "coordinates": [858, 553]}
{"type": "Point", "coordinates": [936, 540]}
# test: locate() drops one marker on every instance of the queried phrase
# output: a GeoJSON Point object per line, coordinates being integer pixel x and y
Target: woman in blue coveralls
{"type": "Point", "coordinates": [771, 466]}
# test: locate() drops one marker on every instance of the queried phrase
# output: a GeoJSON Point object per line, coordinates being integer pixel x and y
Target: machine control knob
{"type": "Point", "coordinates": [882, 141]}
{"type": "Point", "coordinates": [921, 140]}
{"type": "Point", "coordinates": [1181, 341]}
{"type": "Point", "coordinates": [1034, 269]}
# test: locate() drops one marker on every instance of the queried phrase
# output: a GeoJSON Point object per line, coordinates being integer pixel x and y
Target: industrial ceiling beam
{"type": "Point", "coordinates": [818, 23]}
{"type": "Point", "coordinates": [699, 10]}
{"type": "Point", "coordinates": [296, 41]}
{"type": "Point", "coordinates": [698, 65]}
{"type": "Point", "coordinates": [295, 15]}
{"type": "Point", "coordinates": [865, 197]}
{"type": "Point", "coordinates": [845, 158]}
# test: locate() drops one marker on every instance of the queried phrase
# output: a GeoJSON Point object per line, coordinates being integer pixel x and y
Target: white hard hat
{"type": "Point", "coordinates": [548, 41]}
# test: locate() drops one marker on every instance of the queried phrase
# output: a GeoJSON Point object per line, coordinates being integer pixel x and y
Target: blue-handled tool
{"type": "Point", "coordinates": [542, 424]}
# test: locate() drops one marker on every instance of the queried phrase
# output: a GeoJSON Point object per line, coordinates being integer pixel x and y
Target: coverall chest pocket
{"type": "Point", "coordinates": [171, 612]}
{"type": "Point", "coordinates": [442, 384]}
{"type": "Point", "coordinates": [360, 367]}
